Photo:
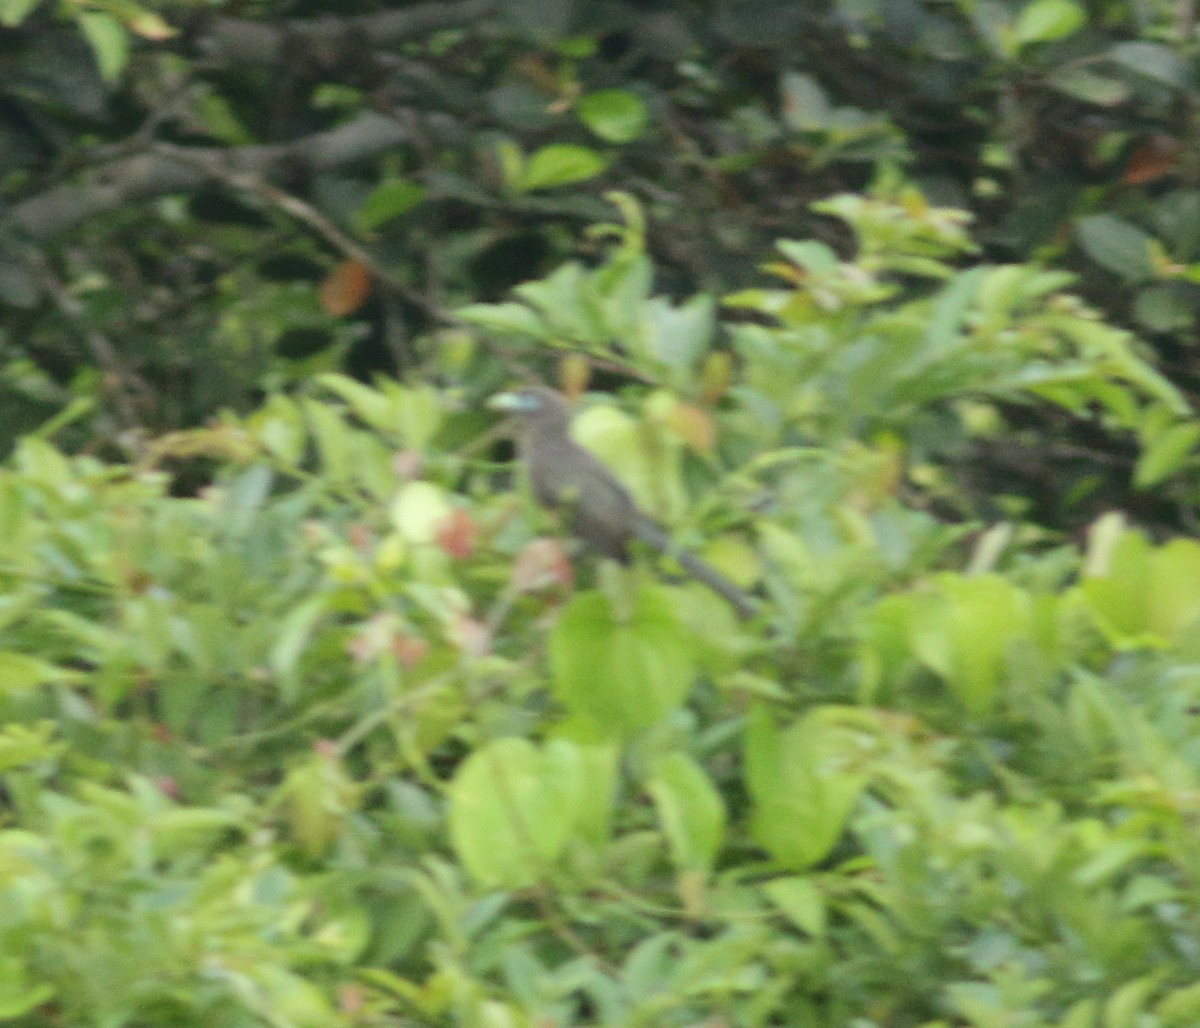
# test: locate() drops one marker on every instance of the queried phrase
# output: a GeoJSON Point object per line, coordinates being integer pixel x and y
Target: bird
{"type": "Point", "coordinates": [600, 511]}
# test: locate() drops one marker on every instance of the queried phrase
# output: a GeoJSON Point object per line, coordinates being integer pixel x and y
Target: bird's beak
{"type": "Point", "coordinates": [510, 403]}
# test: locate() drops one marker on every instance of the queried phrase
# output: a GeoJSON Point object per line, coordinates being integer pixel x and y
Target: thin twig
{"type": "Point", "coordinates": [305, 213]}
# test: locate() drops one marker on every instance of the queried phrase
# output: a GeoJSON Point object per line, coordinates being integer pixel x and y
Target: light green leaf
{"type": "Point", "coordinates": [1128, 1005]}
{"type": "Point", "coordinates": [985, 613]}
{"type": "Point", "coordinates": [294, 635]}
{"type": "Point", "coordinates": [1180, 1006]}
{"type": "Point", "coordinates": [615, 115]}
{"type": "Point", "coordinates": [804, 782]}
{"type": "Point", "coordinates": [560, 164]}
{"type": "Point", "coordinates": [514, 318]}
{"type": "Point", "coordinates": [333, 439]}
{"type": "Point", "coordinates": [369, 404]}
{"type": "Point", "coordinates": [1044, 21]}
{"type": "Point", "coordinates": [388, 200]}
{"type": "Point", "coordinates": [1144, 595]}
{"type": "Point", "coordinates": [279, 424]}
{"type": "Point", "coordinates": [513, 807]}
{"type": "Point", "coordinates": [690, 810]}
{"type": "Point", "coordinates": [800, 901]}
{"type": "Point", "coordinates": [20, 671]}
{"type": "Point", "coordinates": [625, 675]}
{"type": "Point", "coordinates": [13, 12]}
{"type": "Point", "coordinates": [1165, 454]}
{"type": "Point", "coordinates": [18, 994]}
{"type": "Point", "coordinates": [22, 745]}
{"type": "Point", "coordinates": [109, 42]}
{"type": "Point", "coordinates": [677, 335]}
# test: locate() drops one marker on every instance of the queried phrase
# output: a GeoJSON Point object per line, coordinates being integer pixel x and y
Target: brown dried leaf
{"type": "Point", "coordinates": [345, 289]}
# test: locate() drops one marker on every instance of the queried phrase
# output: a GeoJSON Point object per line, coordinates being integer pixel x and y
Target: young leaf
{"type": "Point", "coordinates": [690, 809]}
{"type": "Point", "coordinates": [624, 674]}
{"type": "Point", "coordinates": [513, 807]}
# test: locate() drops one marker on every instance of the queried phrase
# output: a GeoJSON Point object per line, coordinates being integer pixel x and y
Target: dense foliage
{"type": "Point", "coordinates": [309, 717]}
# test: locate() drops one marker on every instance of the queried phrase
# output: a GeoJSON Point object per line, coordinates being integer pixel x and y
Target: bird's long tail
{"type": "Point", "coordinates": [654, 536]}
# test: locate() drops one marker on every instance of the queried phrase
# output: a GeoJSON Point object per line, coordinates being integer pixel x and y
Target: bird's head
{"type": "Point", "coordinates": [533, 405]}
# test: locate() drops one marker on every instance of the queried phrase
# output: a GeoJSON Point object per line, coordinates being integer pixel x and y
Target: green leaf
{"type": "Point", "coordinates": [515, 318]}
{"type": "Point", "coordinates": [1129, 1005]}
{"type": "Point", "coordinates": [1044, 21]}
{"type": "Point", "coordinates": [513, 808]}
{"type": "Point", "coordinates": [20, 671]}
{"type": "Point", "coordinates": [615, 115]}
{"type": "Point", "coordinates": [333, 440]}
{"type": "Point", "coordinates": [985, 613]}
{"type": "Point", "coordinates": [625, 675]}
{"type": "Point", "coordinates": [388, 200]}
{"type": "Point", "coordinates": [220, 120]}
{"type": "Point", "coordinates": [949, 312]}
{"type": "Point", "coordinates": [885, 652]}
{"type": "Point", "coordinates": [674, 335]}
{"type": "Point", "coordinates": [1179, 1006]}
{"type": "Point", "coordinates": [690, 810]}
{"type": "Point", "coordinates": [22, 745]}
{"type": "Point", "coordinates": [13, 12]}
{"type": "Point", "coordinates": [1116, 245]}
{"type": "Point", "coordinates": [1089, 86]}
{"type": "Point", "coordinates": [295, 633]}
{"type": "Point", "coordinates": [804, 782]}
{"type": "Point", "coordinates": [805, 105]}
{"type": "Point", "coordinates": [560, 164]}
{"type": "Point", "coordinates": [18, 995]}
{"type": "Point", "coordinates": [1143, 596]}
{"type": "Point", "coordinates": [1154, 60]}
{"type": "Point", "coordinates": [314, 795]}
{"type": "Point", "coordinates": [1166, 454]}
{"type": "Point", "coordinates": [279, 425]}
{"type": "Point", "coordinates": [1163, 309]}
{"type": "Point", "coordinates": [109, 42]}
{"type": "Point", "coordinates": [179, 831]}
{"type": "Point", "coordinates": [569, 305]}
{"type": "Point", "coordinates": [511, 161]}
{"type": "Point", "coordinates": [292, 999]}
{"type": "Point", "coordinates": [411, 414]}
{"type": "Point", "coordinates": [601, 769]}
{"type": "Point", "coordinates": [813, 256]}
{"type": "Point", "coordinates": [369, 404]}
{"type": "Point", "coordinates": [800, 901]}
{"type": "Point", "coordinates": [1174, 600]}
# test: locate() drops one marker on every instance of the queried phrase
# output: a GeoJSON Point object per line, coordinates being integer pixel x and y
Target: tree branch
{"type": "Point", "coordinates": [151, 174]}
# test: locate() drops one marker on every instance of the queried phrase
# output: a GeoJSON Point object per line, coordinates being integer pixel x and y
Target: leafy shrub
{"type": "Point", "coordinates": [327, 743]}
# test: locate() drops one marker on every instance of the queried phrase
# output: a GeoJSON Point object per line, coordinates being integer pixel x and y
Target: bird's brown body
{"type": "Point", "coordinates": [599, 509]}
